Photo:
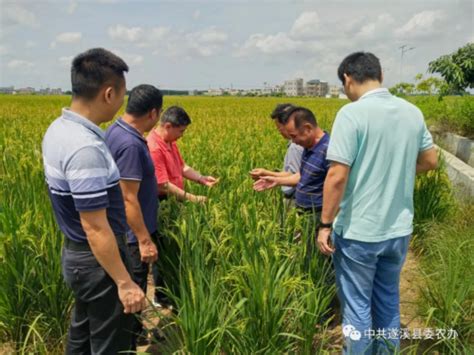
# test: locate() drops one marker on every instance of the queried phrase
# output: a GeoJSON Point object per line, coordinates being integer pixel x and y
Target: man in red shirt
{"type": "Point", "coordinates": [170, 171]}
{"type": "Point", "coordinates": [170, 168]}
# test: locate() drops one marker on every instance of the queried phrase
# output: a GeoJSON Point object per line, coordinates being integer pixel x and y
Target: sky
{"type": "Point", "coordinates": [202, 44]}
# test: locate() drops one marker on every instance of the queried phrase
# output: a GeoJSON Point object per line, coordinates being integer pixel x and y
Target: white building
{"type": "Point", "coordinates": [335, 90]}
{"type": "Point", "coordinates": [316, 88]}
{"type": "Point", "coordinates": [7, 90]}
{"type": "Point", "coordinates": [294, 87]}
{"type": "Point", "coordinates": [215, 92]}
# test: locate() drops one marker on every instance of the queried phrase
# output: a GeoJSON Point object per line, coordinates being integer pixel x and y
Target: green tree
{"type": "Point", "coordinates": [402, 89]}
{"type": "Point", "coordinates": [456, 68]}
{"type": "Point", "coordinates": [430, 86]}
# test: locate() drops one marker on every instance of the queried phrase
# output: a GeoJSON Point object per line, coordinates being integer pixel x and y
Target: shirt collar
{"type": "Point", "coordinates": [75, 117]}
{"type": "Point", "coordinates": [321, 141]}
{"type": "Point", "coordinates": [124, 125]}
{"type": "Point", "coordinates": [374, 92]}
{"type": "Point", "coordinates": [161, 141]}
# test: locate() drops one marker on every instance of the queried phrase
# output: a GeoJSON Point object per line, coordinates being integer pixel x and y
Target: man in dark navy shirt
{"type": "Point", "coordinates": [137, 179]}
{"type": "Point", "coordinates": [303, 130]}
{"type": "Point", "coordinates": [83, 185]}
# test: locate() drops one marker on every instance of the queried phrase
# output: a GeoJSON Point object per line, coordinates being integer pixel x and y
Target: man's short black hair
{"type": "Point", "coordinates": [176, 116]}
{"type": "Point", "coordinates": [302, 115]}
{"type": "Point", "coordinates": [280, 112]}
{"type": "Point", "coordinates": [144, 98]}
{"type": "Point", "coordinates": [93, 69]}
{"type": "Point", "coordinates": [360, 66]}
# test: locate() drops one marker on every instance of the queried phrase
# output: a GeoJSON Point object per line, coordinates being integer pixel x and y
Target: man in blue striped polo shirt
{"type": "Point", "coordinates": [379, 142]}
{"type": "Point", "coordinates": [292, 160]}
{"type": "Point", "coordinates": [302, 128]}
{"type": "Point", "coordinates": [83, 185]}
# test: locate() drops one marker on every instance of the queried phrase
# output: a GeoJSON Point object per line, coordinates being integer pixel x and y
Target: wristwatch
{"type": "Point", "coordinates": [325, 225]}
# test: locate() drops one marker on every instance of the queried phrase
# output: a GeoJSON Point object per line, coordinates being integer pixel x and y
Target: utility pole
{"type": "Point", "coordinates": [403, 50]}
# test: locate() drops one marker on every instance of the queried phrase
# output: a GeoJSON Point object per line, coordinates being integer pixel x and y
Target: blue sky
{"type": "Point", "coordinates": [202, 44]}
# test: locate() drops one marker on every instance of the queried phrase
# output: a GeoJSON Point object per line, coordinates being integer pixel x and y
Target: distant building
{"type": "Point", "coordinates": [49, 91]}
{"type": "Point", "coordinates": [294, 87]}
{"type": "Point", "coordinates": [7, 90]}
{"type": "Point", "coordinates": [316, 88]}
{"type": "Point", "coordinates": [192, 92]}
{"type": "Point", "coordinates": [335, 90]}
{"type": "Point", "coordinates": [267, 90]}
{"type": "Point", "coordinates": [279, 89]}
{"type": "Point", "coordinates": [215, 92]}
{"type": "Point", "coordinates": [26, 91]}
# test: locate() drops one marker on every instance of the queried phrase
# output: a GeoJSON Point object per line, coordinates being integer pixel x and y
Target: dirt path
{"type": "Point", "coordinates": [410, 282]}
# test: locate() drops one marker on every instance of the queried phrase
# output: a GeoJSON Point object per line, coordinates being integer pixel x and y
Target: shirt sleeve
{"type": "Point", "coordinates": [129, 163]}
{"type": "Point", "coordinates": [295, 153]}
{"type": "Point", "coordinates": [343, 143]}
{"type": "Point", "coordinates": [86, 173]}
{"type": "Point", "coordinates": [426, 139]}
{"type": "Point", "coordinates": [158, 158]}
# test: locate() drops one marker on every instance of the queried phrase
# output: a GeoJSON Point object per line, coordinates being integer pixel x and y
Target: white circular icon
{"type": "Point", "coordinates": [355, 335]}
{"type": "Point", "coordinates": [348, 329]}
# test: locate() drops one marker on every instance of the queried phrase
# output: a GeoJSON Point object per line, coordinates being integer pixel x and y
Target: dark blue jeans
{"type": "Point", "coordinates": [98, 323]}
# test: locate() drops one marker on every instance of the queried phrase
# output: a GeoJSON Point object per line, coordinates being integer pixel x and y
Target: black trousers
{"type": "Point", "coordinates": [98, 323]}
{"type": "Point", "coordinates": [140, 276]}
{"type": "Point", "coordinates": [159, 296]}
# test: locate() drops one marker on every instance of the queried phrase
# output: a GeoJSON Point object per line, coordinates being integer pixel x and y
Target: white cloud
{"type": "Point", "coordinates": [154, 37]}
{"type": "Point", "coordinates": [376, 28]}
{"type": "Point", "coordinates": [420, 25]}
{"type": "Point", "coordinates": [65, 60]}
{"type": "Point", "coordinates": [196, 14]}
{"type": "Point", "coordinates": [69, 37]}
{"type": "Point", "coordinates": [271, 44]}
{"type": "Point", "coordinates": [66, 37]}
{"type": "Point", "coordinates": [18, 15]}
{"type": "Point", "coordinates": [172, 43]}
{"type": "Point", "coordinates": [130, 34]}
{"type": "Point", "coordinates": [20, 64]}
{"type": "Point", "coordinates": [72, 7]}
{"type": "Point", "coordinates": [31, 44]}
{"type": "Point", "coordinates": [134, 59]}
{"type": "Point", "coordinates": [129, 58]}
{"type": "Point", "coordinates": [209, 35]}
{"type": "Point", "coordinates": [3, 50]}
{"type": "Point", "coordinates": [158, 33]}
{"type": "Point", "coordinates": [280, 44]}
{"type": "Point", "coordinates": [307, 25]}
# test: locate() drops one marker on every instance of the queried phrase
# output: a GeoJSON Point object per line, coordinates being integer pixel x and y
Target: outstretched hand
{"type": "Point", "coordinates": [257, 173]}
{"type": "Point", "coordinates": [265, 183]}
{"type": "Point", "coordinates": [208, 181]}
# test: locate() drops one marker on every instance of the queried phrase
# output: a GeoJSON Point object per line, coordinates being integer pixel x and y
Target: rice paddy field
{"type": "Point", "coordinates": [240, 283]}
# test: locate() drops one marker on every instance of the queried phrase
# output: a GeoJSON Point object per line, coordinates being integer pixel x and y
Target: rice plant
{"type": "Point", "coordinates": [240, 282]}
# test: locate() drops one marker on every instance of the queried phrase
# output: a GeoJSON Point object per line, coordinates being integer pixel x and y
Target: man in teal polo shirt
{"type": "Point", "coordinates": [378, 143]}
